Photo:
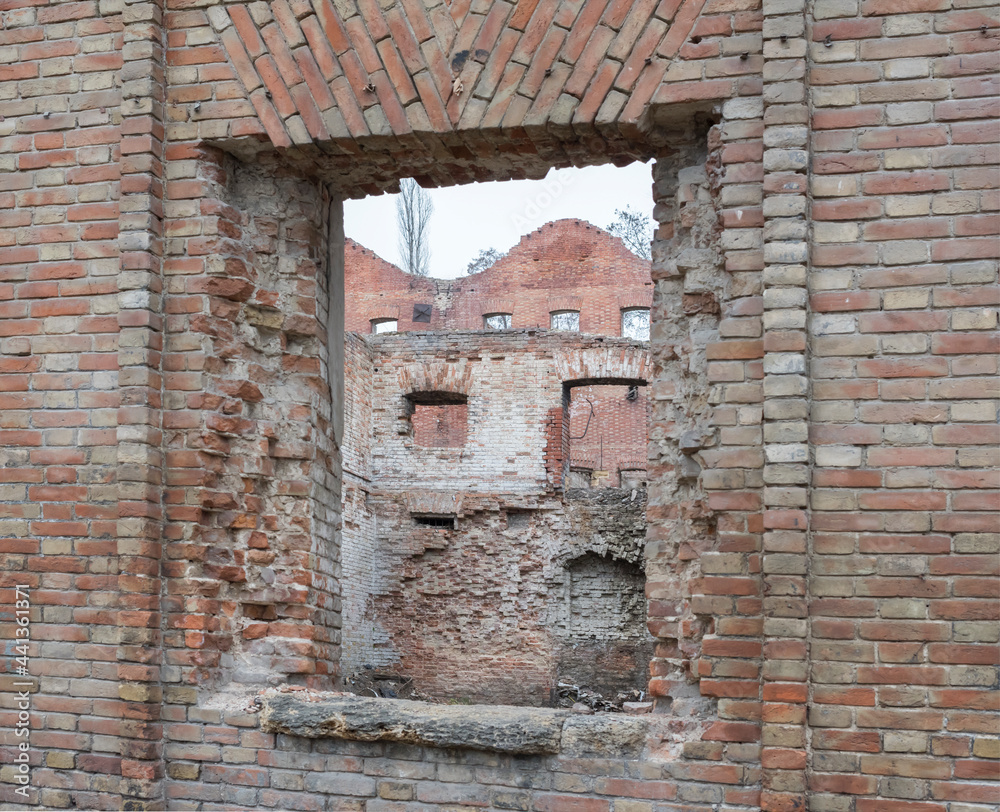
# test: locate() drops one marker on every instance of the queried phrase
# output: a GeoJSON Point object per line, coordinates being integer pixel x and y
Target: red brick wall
{"type": "Point", "coordinates": [905, 392]}
{"type": "Point", "coordinates": [440, 426]}
{"type": "Point", "coordinates": [63, 475]}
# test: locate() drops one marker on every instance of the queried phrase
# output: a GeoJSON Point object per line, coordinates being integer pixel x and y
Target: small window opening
{"type": "Point", "coordinates": [633, 478]}
{"type": "Point", "coordinates": [497, 321]}
{"type": "Point", "coordinates": [565, 320]}
{"type": "Point", "coordinates": [421, 314]}
{"type": "Point", "coordinates": [439, 419]}
{"type": "Point", "coordinates": [447, 522]}
{"type": "Point", "coordinates": [380, 326]}
{"type": "Point", "coordinates": [635, 323]}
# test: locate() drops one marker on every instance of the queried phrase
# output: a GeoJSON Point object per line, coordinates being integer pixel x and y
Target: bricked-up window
{"type": "Point", "coordinates": [439, 419]}
{"type": "Point", "coordinates": [497, 321]}
{"type": "Point", "coordinates": [380, 326]}
{"type": "Point", "coordinates": [635, 323]}
{"type": "Point", "coordinates": [600, 623]}
{"type": "Point", "coordinates": [565, 320]}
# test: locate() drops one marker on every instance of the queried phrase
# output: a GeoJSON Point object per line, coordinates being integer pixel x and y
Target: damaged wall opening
{"type": "Point", "coordinates": [438, 419]}
{"type": "Point", "coordinates": [635, 323]}
{"type": "Point", "coordinates": [380, 326]}
{"type": "Point", "coordinates": [444, 522]}
{"type": "Point", "coordinates": [603, 641]}
{"type": "Point", "coordinates": [474, 568]}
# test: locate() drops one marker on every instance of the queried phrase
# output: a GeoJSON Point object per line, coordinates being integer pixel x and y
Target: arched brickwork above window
{"type": "Point", "coordinates": [572, 83]}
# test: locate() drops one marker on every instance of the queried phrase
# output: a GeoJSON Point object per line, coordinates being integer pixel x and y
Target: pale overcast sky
{"type": "Point", "coordinates": [497, 215]}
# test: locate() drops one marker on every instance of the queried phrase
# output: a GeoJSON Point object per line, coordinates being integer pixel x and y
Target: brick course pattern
{"type": "Point", "coordinates": [822, 527]}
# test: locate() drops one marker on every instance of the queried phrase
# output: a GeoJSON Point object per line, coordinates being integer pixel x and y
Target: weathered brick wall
{"type": "Point", "coordinates": [61, 316]}
{"type": "Point", "coordinates": [852, 151]}
{"type": "Point", "coordinates": [519, 374]}
{"type": "Point", "coordinates": [564, 265]}
{"type": "Point", "coordinates": [238, 766]}
{"type": "Point", "coordinates": [608, 432]}
{"type": "Point", "coordinates": [253, 498]}
{"type": "Point", "coordinates": [360, 565]}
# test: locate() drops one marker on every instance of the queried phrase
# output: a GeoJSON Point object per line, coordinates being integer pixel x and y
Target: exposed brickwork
{"type": "Point", "coordinates": [903, 302]}
{"type": "Point", "coordinates": [876, 688]}
{"type": "Point", "coordinates": [608, 431]}
{"type": "Point", "coordinates": [440, 425]}
{"type": "Point", "coordinates": [786, 473]}
{"type": "Point", "coordinates": [251, 497]}
{"type": "Point", "coordinates": [574, 82]}
{"type": "Point", "coordinates": [225, 762]}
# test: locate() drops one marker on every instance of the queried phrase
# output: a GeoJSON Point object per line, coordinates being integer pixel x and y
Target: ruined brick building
{"type": "Point", "coordinates": [470, 562]}
{"type": "Point", "coordinates": [821, 548]}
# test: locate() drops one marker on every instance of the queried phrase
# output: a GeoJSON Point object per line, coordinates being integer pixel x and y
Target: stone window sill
{"type": "Point", "coordinates": [492, 728]}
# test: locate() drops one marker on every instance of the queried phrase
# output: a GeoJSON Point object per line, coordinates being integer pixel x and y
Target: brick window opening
{"type": "Point", "coordinates": [565, 320]}
{"type": "Point", "coordinates": [439, 419]}
{"type": "Point", "coordinates": [497, 321]}
{"type": "Point", "coordinates": [635, 323]}
{"type": "Point", "coordinates": [607, 437]}
{"type": "Point", "coordinates": [380, 326]}
{"type": "Point", "coordinates": [518, 519]}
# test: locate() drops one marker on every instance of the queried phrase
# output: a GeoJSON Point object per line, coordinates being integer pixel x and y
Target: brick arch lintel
{"type": "Point", "coordinates": [626, 365]}
{"type": "Point", "coordinates": [454, 378]}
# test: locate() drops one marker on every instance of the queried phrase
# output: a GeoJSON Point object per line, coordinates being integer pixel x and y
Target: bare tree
{"type": "Point", "coordinates": [413, 214]}
{"type": "Point", "coordinates": [484, 259]}
{"type": "Point", "coordinates": [635, 230]}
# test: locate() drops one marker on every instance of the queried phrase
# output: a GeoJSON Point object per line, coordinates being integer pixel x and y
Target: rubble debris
{"type": "Point", "coordinates": [381, 684]}
{"type": "Point", "coordinates": [577, 697]}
